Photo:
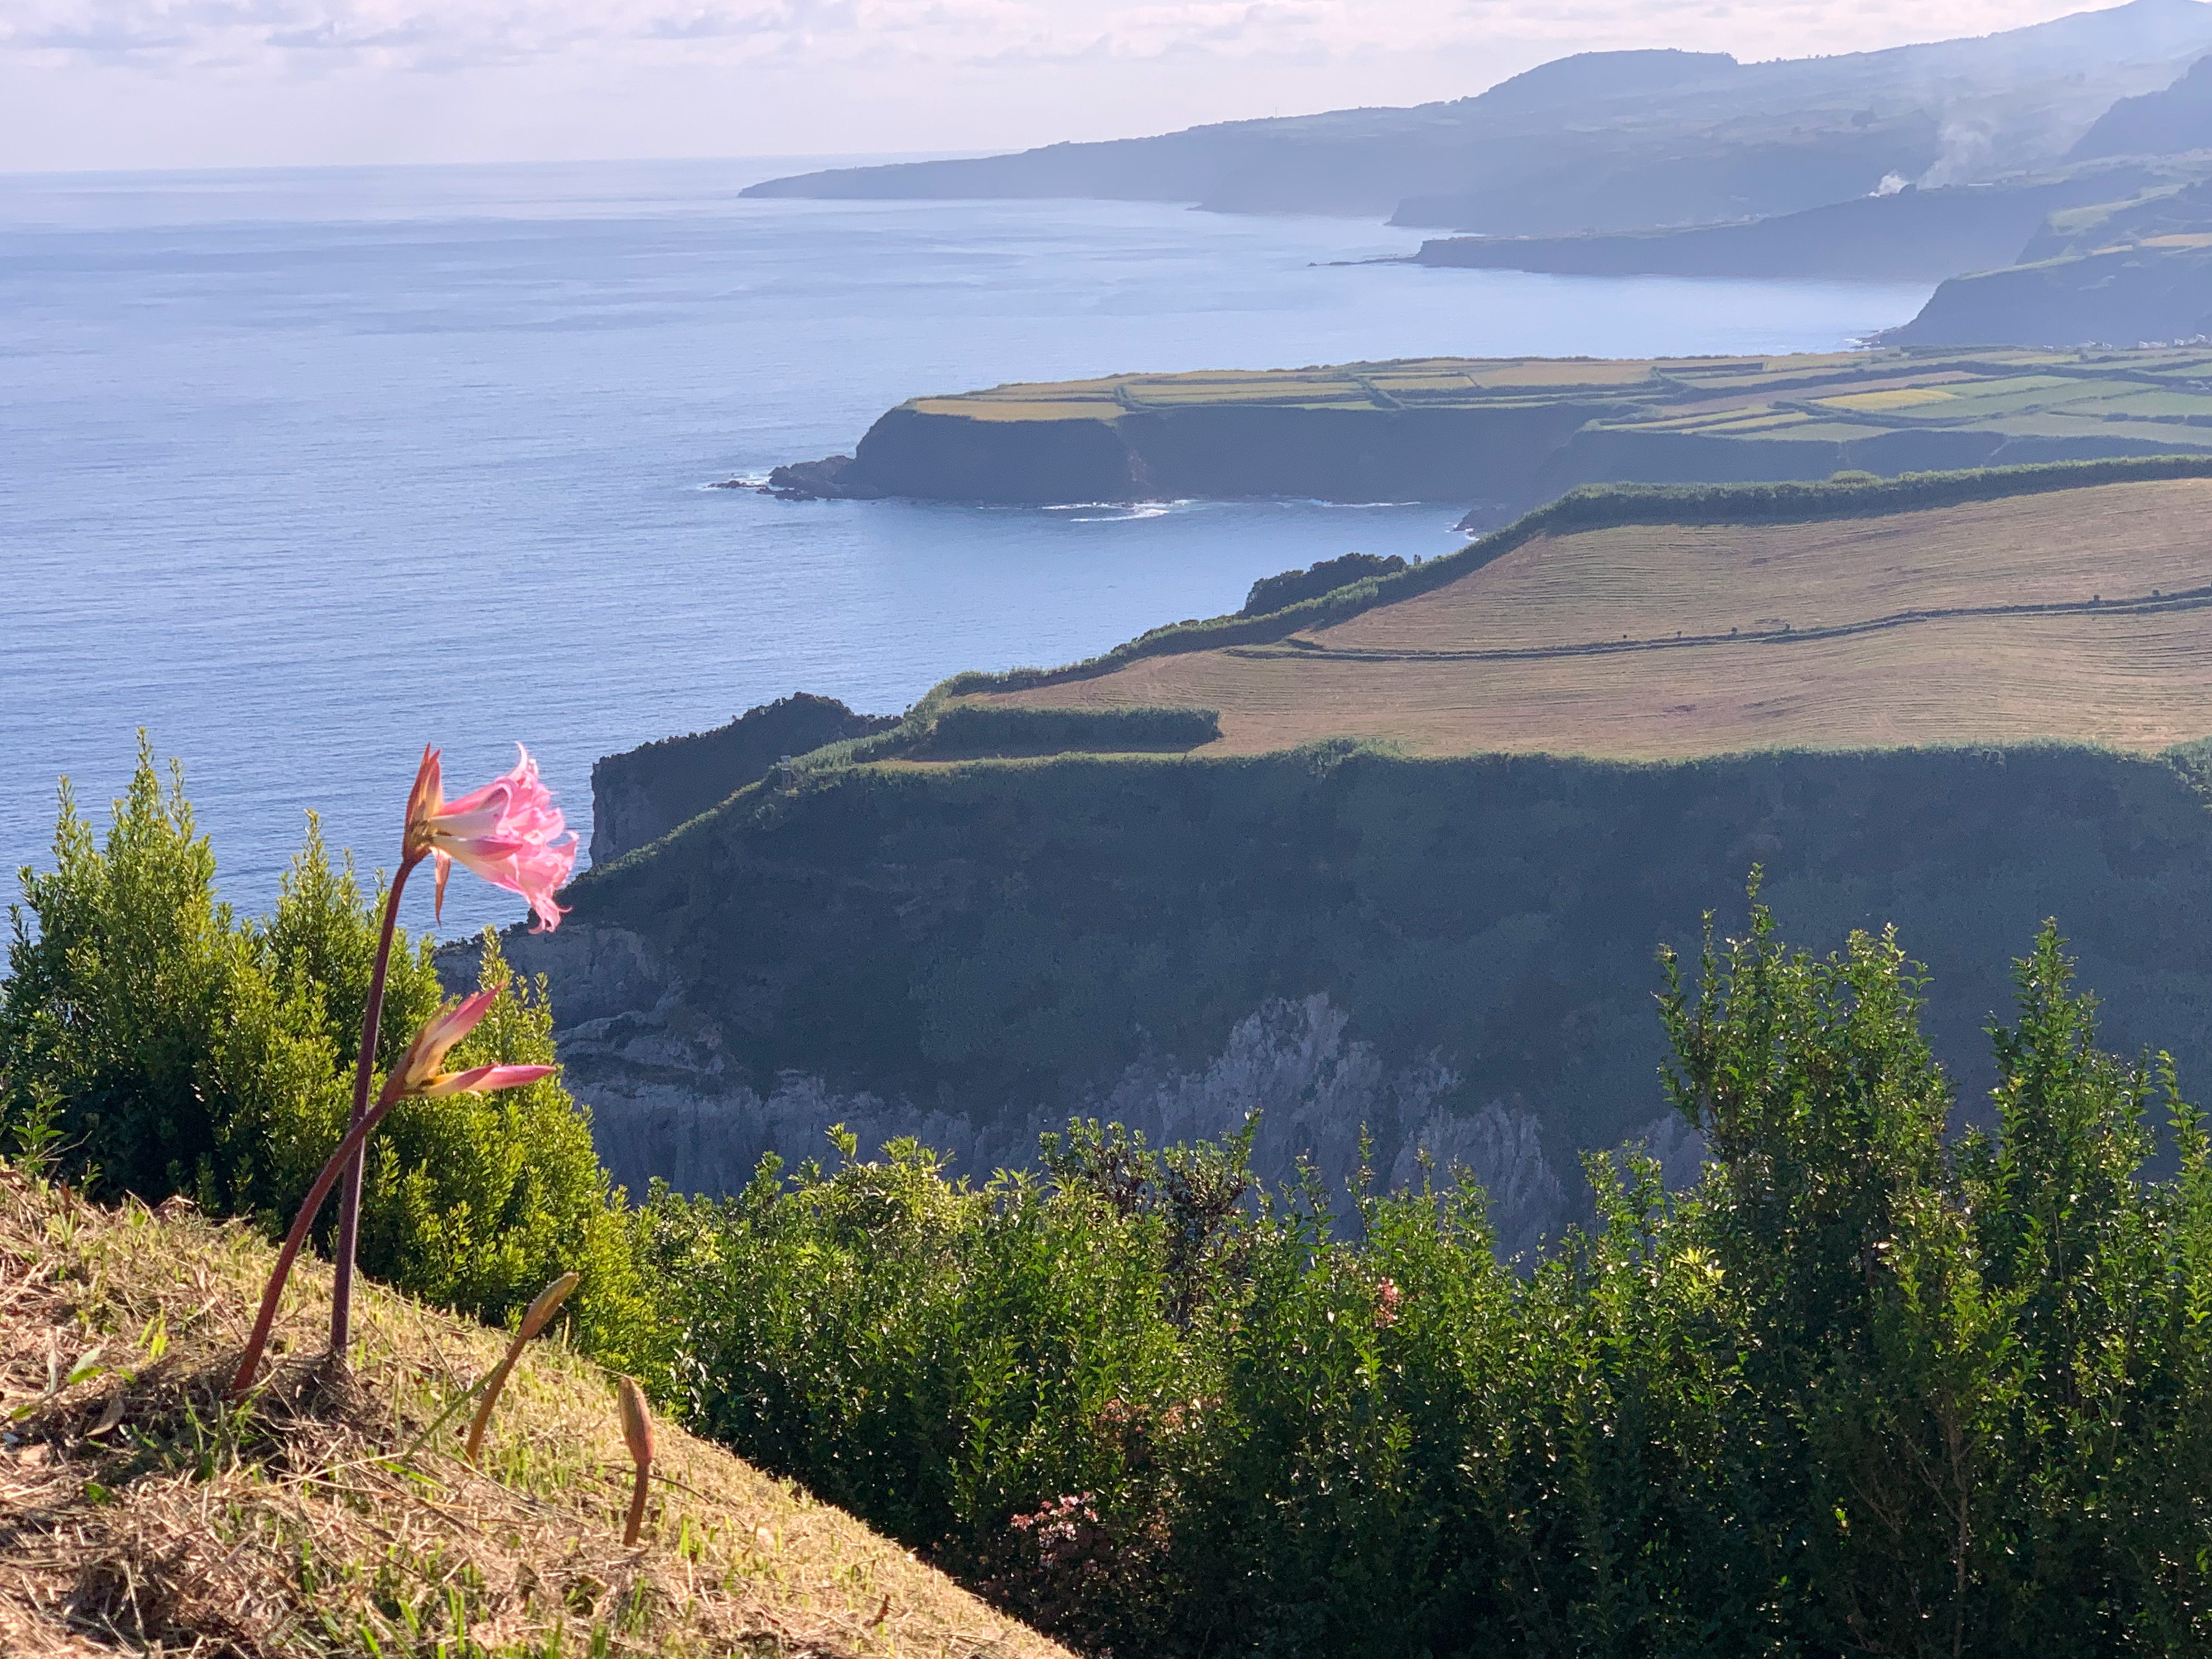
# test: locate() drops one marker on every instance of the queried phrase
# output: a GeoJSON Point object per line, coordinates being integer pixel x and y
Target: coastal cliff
{"type": "Point", "coordinates": [1392, 859]}
{"type": "Point", "coordinates": [928, 452]}
{"type": "Point", "coordinates": [1908, 235]}
{"type": "Point", "coordinates": [2160, 290]}
{"type": "Point", "coordinates": [1455, 957]}
{"type": "Point", "coordinates": [1501, 435]}
{"type": "Point", "coordinates": [1616, 140]}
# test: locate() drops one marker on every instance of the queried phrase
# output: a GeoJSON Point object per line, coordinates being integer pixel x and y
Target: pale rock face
{"type": "Point", "coordinates": [665, 1104]}
{"type": "Point", "coordinates": [1502, 1146]}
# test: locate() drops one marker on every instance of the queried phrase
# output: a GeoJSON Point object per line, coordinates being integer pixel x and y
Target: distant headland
{"type": "Point", "coordinates": [1496, 436]}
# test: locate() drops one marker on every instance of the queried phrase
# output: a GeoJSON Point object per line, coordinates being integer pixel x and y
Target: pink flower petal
{"type": "Point", "coordinates": [482, 1080]}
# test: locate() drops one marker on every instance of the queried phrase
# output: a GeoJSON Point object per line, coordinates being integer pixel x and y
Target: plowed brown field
{"type": "Point", "coordinates": [2083, 614]}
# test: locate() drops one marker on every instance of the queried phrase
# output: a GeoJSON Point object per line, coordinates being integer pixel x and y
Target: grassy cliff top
{"type": "Point", "coordinates": [2065, 603]}
{"type": "Point", "coordinates": [141, 1515]}
{"type": "Point", "coordinates": [2162, 394]}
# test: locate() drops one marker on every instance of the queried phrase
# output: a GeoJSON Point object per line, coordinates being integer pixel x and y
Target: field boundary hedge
{"type": "Point", "coordinates": [981, 729]}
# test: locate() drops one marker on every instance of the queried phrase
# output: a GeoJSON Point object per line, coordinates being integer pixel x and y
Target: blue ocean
{"type": "Point", "coordinates": [304, 469]}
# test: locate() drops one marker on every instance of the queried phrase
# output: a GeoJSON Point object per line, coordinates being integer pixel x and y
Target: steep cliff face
{"type": "Point", "coordinates": [640, 795]}
{"type": "Point", "coordinates": [2155, 291]}
{"type": "Point", "coordinates": [1371, 454]}
{"type": "Point", "coordinates": [2179, 117]}
{"type": "Point", "coordinates": [1456, 955]}
{"type": "Point", "coordinates": [667, 1106]}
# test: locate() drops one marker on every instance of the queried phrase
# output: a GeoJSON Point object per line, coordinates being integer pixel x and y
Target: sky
{"type": "Point", "coordinates": [113, 84]}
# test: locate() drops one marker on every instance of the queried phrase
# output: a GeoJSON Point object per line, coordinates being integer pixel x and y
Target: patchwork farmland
{"type": "Point", "coordinates": [2078, 614]}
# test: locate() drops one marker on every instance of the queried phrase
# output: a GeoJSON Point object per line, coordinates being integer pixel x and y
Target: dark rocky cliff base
{"type": "Point", "coordinates": [1456, 955]}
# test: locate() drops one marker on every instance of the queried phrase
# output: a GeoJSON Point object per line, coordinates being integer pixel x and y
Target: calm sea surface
{"type": "Point", "coordinates": [300, 470]}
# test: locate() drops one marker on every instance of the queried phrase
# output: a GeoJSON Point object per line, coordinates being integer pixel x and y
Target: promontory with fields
{"type": "Point", "coordinates": [1502, 435]}
{"type": "Point", "coordinates": [1391, 859]}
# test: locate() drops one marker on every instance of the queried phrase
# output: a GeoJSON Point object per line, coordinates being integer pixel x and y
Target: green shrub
{"type": "Point", "coordinates": [1867, 1388]}
{"type": "Point", "coordinates": [1272, 594]}
{"type": "Point", "coordinates": [178, 1051]}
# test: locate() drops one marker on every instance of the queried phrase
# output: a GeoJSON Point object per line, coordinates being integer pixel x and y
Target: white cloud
{"type": "Point", "coordinates": [114, 82]}
{"type": "Point", "coordinates": [321, 35]}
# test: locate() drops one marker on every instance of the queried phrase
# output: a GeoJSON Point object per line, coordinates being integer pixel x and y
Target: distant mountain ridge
{"type": "Point", "coordinates": [1614, 141]}
{"type": "Point", "coordinates": [2178, 118]}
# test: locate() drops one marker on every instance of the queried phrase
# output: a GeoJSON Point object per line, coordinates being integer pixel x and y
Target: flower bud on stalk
{"type": "Point", "coordinates": [417, 1074]}
{"type": "Point", "coordinates": [533, 1320]}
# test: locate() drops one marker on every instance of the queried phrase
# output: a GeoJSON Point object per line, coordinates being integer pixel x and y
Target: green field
{"type": "Point", "coordinates": [2081, 614]}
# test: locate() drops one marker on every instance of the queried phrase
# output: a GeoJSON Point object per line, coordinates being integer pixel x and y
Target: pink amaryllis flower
{"type": "Point", "coordinates": [417, 1075]}
{"type": "Point", "coordinates": [509, 832]}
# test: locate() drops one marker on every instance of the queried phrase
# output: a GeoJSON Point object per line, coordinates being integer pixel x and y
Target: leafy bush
{"type": "Point", "coordinates": [1865, 1388]}
{"type": "Point", "coordinates": [1272, 594]}
{"type": "Point", "coordinates": [175, 1050]}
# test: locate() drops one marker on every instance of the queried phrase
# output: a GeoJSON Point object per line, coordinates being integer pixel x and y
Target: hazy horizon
{"type": "Point", "coordinates": [130, 85]}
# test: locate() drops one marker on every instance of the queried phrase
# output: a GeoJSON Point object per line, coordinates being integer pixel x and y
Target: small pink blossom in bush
{"type": "Point", "coordinates": [1387, 1301]}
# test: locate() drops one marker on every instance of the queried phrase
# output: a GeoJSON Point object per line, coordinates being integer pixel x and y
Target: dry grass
{"type": "Point", "coordinates": [1591, 621]}
{"type": "Point", "coordinates": [138, 1514]}
{"type": "Point", "coordinates": [1654, 580]}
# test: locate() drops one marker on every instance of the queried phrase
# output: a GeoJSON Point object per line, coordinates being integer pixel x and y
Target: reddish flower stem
{"type": "Point", "coordinates": [348, 1149]}
{"type": "Point", "coordinates": [350, 1200]}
